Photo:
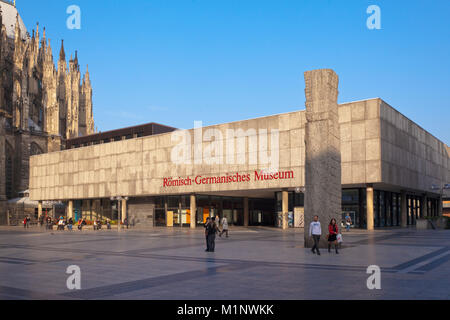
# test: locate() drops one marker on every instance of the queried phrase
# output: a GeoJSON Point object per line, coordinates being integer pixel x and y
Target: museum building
{"type": "Point", "coordinates": [251, 171]}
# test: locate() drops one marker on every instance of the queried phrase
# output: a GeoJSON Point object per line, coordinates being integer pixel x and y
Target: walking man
{"type": "Point", "coordinates": [206, 225]}
{"type": "Point", "coordinates": [212, 230]}
{"type": "Point", "coordinates": [315, 231]}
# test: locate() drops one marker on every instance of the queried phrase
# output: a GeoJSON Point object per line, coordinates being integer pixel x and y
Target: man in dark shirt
{"type": "Point", "coordinates": [206, 233]}
{"type": "Point", "coordinates": [212, 230]}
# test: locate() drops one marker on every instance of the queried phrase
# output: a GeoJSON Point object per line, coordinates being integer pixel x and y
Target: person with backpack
{"type": "Point", "coordinates": [212, 230]}
{"type": "Point", "coordinates": [333, 232]}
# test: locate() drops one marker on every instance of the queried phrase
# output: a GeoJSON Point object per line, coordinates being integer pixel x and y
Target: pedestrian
{"type": "Point", "coordinates": [80, 224]}
{"type": "Point", "coordinates": [224, 227]}
{"type": "Point", "coordinates": [125, 222]}
{"type": "Point", "coordinates": [332, 235]}
{"type": "Point", "coordinates": [315, 231]}
{"type": "Point", "coordinates": [206, 225]}
{"type": "Point", "coordinates": [95, 225]}
{"type": "Point", "coordinates": [212, 230]}
{"type": "Point", "coordinates": [25, 223]}
{"type": "Point", "coordinates": [348, 222]}
{"type": "Point", "coordinates": [108, 224]}
{"type": "Point", "coordinates": [61, 224]}
{"type": "Point", "coordinates": [70, 224]}
{"type": "Point", "coordinates": [217, 219]}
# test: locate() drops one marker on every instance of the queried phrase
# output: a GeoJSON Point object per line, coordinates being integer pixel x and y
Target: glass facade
{"type": "Point", "coordinates": [387, 209]}
{"type": "Point", "coordinates": [174, 211]}
{"type": "Point", "coordinates": [354, 205]}
{"type": "Point", "coordinates": [294, 200]}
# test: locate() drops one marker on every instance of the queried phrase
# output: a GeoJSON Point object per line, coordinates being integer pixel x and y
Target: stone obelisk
{"type": "Point", "coordinates": [323, 191]}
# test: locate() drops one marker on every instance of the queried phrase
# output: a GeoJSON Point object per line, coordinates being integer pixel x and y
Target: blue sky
{"type": "Point", "coordinates": [175, 62]}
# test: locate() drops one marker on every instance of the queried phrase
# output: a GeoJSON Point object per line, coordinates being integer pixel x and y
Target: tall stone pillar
{"type": "Point", "coordinates": [404, 213]}
{"type": "Point", "coordinates": [70, 209]}
{"type": "Point", "coordinates": [323, 194]}
{"type": "Point", "coordinates": [193, 211]}
{"type": "Point", "coordinates": [424, 206]}
{"type": "Point", "coordinates": [246, 212]}
{"type": "Point", "coordinates": [369, 208]}
{"type": "Point", "coordinates": [285, 210]}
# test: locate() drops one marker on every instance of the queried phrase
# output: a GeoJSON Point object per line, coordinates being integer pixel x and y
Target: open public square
{"type": "Point", "coordinates": [253, 264]}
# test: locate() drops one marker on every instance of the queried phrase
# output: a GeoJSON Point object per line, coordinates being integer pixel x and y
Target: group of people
{"type": "Point", "coordinates": [26, 222]}
{"type": "Point", "coordinates": [212, 227]}
{"type": "Point", "coordinates": [333, 237]}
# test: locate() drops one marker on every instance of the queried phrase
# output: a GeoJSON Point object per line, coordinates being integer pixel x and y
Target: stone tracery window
{"type": "Point", "coordinates": [35, 149]}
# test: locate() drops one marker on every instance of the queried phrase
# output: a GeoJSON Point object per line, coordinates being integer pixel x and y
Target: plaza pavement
{"type": "Point", "coordinates": [254, 263]}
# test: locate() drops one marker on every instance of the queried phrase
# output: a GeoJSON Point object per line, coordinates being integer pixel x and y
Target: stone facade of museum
{"type": "Point", "coordinates": [387, 161]}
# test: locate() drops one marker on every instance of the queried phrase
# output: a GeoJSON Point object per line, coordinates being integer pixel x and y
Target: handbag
{"type": "Point", "coordinates": [339, 238]}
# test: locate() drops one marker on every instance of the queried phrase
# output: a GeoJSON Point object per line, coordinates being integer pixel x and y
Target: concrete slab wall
{"type": "Point", "coordinates": [360, 142]}
{"type": "Point", "coordinates": [411, 157]}
{"type": "Point", "coordinates": [137, 167]}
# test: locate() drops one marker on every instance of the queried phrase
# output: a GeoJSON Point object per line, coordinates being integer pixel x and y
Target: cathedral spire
{"type": "Point", "coordinates": [17, 28]}
{"type": "Point", "coordinates": [62, 53]}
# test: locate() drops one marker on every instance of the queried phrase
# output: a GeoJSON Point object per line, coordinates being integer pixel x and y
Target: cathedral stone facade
{"type": "Point", "coordinates": [41, 105]}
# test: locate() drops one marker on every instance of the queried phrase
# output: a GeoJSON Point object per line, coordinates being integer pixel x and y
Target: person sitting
{"type": "Point", "coordinates": [61, 224]}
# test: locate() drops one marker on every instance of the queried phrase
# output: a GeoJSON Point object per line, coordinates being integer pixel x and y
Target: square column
{"type": "Point", "coordinates": [369, 209]}
{"type": "Point", "coordinates": [424, 206]}
{"type": "Point", "coordinates": [124, 210]}
{"type": "Point", "coordinates": [193, 211]}
{"type": "Point", "coordinates": [404, 220]}
{"type": "Point", "coordinates": [70, 210]}
{"type": "Point", "coordinates": [285, 210]}
{"type": "Point", "coordinates": [39, 210]}
{"type": "Point", "coordinates": [246, 213]}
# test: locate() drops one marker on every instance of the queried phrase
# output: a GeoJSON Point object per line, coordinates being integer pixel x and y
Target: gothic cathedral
{"type": "Point", "coordinates": [41, 106]}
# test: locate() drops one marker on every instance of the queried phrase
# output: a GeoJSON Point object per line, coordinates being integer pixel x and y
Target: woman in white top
{"type": "Point", "coordinates": [224, 227]}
